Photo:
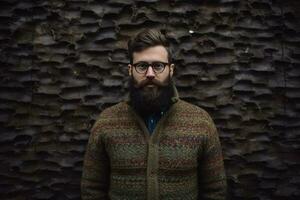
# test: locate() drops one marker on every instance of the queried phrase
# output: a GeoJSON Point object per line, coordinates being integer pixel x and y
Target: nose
{"type": "Point", "coordinates": [150, 73]}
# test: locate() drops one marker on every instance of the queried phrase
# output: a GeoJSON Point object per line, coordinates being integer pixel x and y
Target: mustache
{"type": "Point", "coordinates": [150, 82]}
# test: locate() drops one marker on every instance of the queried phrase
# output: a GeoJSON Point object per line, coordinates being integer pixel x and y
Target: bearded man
{"type": "Point", "coordinates": [153, 146]}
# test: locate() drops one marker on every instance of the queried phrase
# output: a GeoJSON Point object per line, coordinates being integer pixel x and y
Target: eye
{"type": "Point", "coordinates": [142, 66]}
{"type": "Point", "coordinates": [158, 66]}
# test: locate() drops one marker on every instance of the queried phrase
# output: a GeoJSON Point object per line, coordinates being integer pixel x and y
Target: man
{"type": "Point", "coordinates": [153, 146]}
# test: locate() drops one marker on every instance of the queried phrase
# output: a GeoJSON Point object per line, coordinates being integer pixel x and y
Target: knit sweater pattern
{"type": "Point", "coordinates": [182, 158]}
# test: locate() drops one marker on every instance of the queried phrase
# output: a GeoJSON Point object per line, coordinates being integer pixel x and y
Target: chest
{"type": "Point", "coordinates": [175, 150]}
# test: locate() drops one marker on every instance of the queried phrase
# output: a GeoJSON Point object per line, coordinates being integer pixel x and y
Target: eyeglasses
{"type": "Point", "coordinates": [157, 66]}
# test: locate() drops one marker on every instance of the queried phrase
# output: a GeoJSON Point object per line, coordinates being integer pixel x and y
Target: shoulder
{"type": "Point", "coordinates": [193, 111]}
{"type": "Point", "coordinates": [117, 110]}
{"type": "Point", "coordinates": [111, 115]}
{"type": "Point", "coordinates": [193, 117]}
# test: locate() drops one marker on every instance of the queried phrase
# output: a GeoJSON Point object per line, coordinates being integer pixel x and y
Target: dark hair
{"type": "Point", "coordinates": [148, 38]}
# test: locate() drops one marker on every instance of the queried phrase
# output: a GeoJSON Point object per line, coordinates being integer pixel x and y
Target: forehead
{"type": "Point", "coordinates": [155, 53]}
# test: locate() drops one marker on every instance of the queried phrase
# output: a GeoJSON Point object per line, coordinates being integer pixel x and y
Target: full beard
{"type": "Point", "coordinates": [147, 100]}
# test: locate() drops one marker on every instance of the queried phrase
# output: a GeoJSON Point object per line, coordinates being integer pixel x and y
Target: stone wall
{"type": "Point", "coordinates": [64, 61]}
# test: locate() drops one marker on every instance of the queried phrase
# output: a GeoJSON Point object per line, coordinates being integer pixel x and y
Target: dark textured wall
{"type": "Point", "coordinates": [63, 61]}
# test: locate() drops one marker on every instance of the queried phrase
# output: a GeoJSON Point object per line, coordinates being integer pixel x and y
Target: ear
{"type": "Point", "coordinates": [129, 69]}
{"type": "Point", "coordinates": [172, 66]}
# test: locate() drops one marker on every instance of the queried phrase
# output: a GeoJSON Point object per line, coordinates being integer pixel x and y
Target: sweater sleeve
{"type": "Point", "coordinates": [213, 185]}
{"type": "Point", "coordinates": [95, 175]}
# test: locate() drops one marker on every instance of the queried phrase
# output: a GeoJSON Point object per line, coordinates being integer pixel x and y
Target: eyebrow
{"type": "Point", "coordinates": [151, 61]}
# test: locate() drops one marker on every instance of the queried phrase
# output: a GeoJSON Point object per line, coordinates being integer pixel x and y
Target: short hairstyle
{"type": "Point", "coordinates": [148, 38]}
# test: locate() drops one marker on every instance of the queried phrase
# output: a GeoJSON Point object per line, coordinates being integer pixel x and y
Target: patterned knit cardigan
{"type": "Point", "coordinates": [182, 159]}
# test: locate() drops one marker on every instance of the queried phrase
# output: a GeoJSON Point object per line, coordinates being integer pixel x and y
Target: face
{"type": "Point", "coordinates": [150, 81]}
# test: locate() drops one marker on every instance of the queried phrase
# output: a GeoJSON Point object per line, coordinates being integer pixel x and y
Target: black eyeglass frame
{"type": "Point", "coordinates": [150, 64]}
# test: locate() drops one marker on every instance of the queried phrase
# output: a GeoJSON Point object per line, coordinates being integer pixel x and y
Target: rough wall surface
{"type": "Point", "coordinates": [63, 61]}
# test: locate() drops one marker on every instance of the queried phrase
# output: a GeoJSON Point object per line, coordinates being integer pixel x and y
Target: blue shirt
{"type": "Point", "coordinates": [152, 120]}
